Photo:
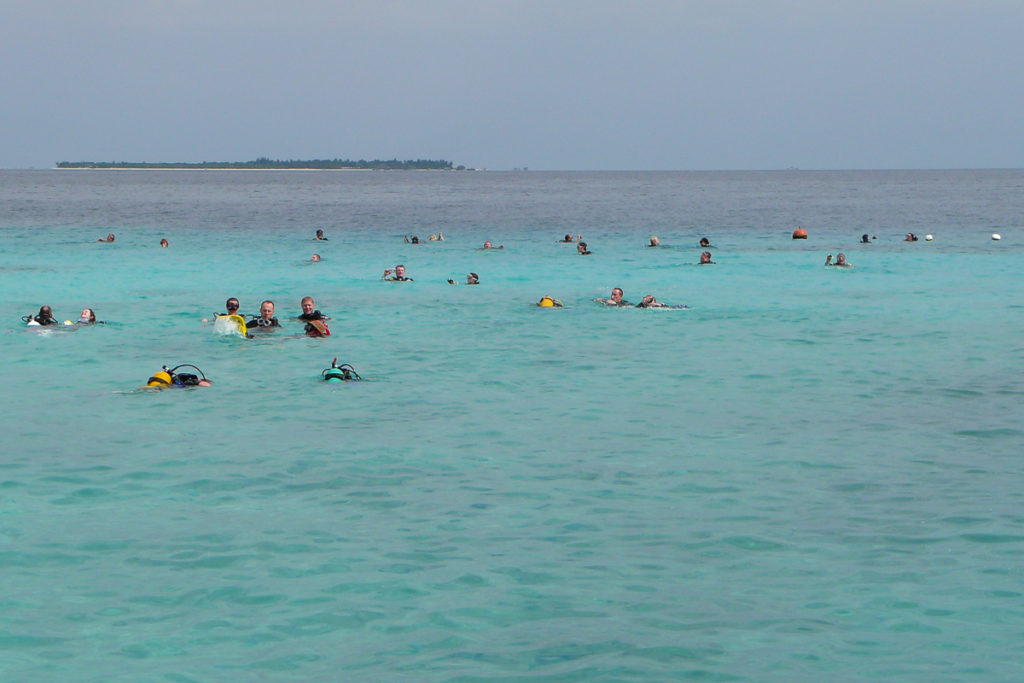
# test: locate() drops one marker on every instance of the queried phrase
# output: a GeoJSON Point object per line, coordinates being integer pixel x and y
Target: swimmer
{"type": "Point", "coordinates": [828, 260]}
{"type": "Point", "coordinates": [399, 274]}
{"type": "Point", "coordinates": [864, 239]}
{"type": "Point", "coordinates": [437, 238]}
{"type": "Point", "coordinates": [471, 279]}
{"type": "Point", "coordinates": [581, 249]}
{"type": "Point", "coordinates": [841, 261]}
{"type": "Point", "coordinates": [314, 258]}
{"type": "Point", "coordinates": [549, 302]}
{"type": "Point", "coordinates": [411, 239]}
{"type": "Point", "coordinates": [164, 243]}
{"type": "Point", "coordinates": [88, 317]}
{"type": "Point", "coordinates": [44, 317]}
{"type": "Point", "coordinates": [490, 245]}
{"type": "Point", "coordinates": [340, 373]}
{"type": "Point", "coordinates": [309, 311]}
{"type": "Point", "coordinates": [705, 242]}
{"type": "Point", "coordinates": [170, 378]}
{"type": "Point", "coordinates": [911, 237]}
{"type": "Point", "coordinates": [655, 242]}
{"type": "Point", "coordinates": [232, 309]}
{"type": "Point", "coordinates": [650, 302]}
{"type": "Point", "coordinates": [567, 239]}
{"type": "Point", "coordinates": [108, 238]}
{"type": "Point", "coordinates": [320, 235]}
{"type": "Point", "coordinates": [615, 299]}
{"type": "Point", "coordinates": [231, 305]}
{"type": "Point", "coordinates": [705, 258]}
{"type": "Point", "coordinates": [265, 320]}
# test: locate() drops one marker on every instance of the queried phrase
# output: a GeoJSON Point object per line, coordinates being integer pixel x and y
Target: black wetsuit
{"type": "Point", "coordinates": [47, 320]}
{"type": "Point", "coordinates": [262, 324]}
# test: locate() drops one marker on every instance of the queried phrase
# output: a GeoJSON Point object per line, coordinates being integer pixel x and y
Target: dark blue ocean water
{"type": "Point", "coordinates": [811, 473]}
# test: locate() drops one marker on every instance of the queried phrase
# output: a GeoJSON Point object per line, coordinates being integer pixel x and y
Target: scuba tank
{"type": "Point", "coordinates": [549, 302]}
{"type": "Point", "coordinates": [160, 379]}
{"type": "Point", "coordinates": [339, 373]}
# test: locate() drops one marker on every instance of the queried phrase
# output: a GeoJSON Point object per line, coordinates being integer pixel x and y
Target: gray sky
{"type": "Point", "coordinates": [547, 84]}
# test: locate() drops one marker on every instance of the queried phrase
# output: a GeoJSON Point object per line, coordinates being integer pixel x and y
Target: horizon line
{"type": "Point", "coordinates": [527, 169]}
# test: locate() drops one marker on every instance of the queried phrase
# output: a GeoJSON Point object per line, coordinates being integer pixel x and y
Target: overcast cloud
{"type": "Point", "coordinates": [548, 85]}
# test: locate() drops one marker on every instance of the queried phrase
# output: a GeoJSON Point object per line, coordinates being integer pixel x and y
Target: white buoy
{"type": "Point", "coordinates": [928, 238]}
{"type": "Point", "coordinates": [996, 236]}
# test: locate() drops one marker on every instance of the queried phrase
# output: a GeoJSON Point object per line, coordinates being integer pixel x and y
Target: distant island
{"type": "Point", "coordinates": [263, 163]}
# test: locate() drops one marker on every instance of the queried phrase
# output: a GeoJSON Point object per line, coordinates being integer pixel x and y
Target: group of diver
{"type": "Point", "coordinates": [615, 299]}
{"type": "Point", "coordinates": [315, 325]}
{"type": "Point", "coordinates": [314, 322]}
{"type": "Point", "coordinates": [44, 318]}
{"type": "Point", "coordinates": [648, 301]}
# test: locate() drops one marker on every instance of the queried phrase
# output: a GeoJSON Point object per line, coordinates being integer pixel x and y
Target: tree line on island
{"type": "Point", "coordinates": [264, 163]}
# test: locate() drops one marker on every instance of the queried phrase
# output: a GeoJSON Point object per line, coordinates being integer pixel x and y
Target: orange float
{"type": "Point", "coordinates": [799, 234]}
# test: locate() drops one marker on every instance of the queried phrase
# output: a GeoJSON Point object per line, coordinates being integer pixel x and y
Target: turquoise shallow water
{"type": "Point", "coordinates": [810, 473]}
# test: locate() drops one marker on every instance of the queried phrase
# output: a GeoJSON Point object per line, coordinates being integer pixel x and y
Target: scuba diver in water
{"type": "Point", "coordinates": [840, 261]}
{"type": "Point", "coordinates": [471, 279]}
{"type": "Point", "coordinates": [44, 317]}
{"type": "Point", "coordinates": [88, 317]}
{"type": "Point", "coordinates": [232, 309]}
{"type": "Point", "coordinates": [547, 301]}
{"type": "Point", "coordinates": [170, 378]}
{"type": "Point", "coordinates": [650, 302]}
{"type": "Point", "coordinates": [615, 299]}
{"type": "Point", "coordinates": [316, 322]}
{"type": "Point", "coordinates": [309, 311]}
{"type": "Point", "coordinates": [340, 373]}
{"type": "Point", "coordinates": [399, 274]}
{"type": "Point", "coordinates": [265, 320]}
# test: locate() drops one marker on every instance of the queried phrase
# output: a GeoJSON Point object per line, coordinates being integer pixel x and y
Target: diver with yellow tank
{"type": "Point", "coordinates": [549, 302]}
{"type": "Point", "coordinates": [170, 378]}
